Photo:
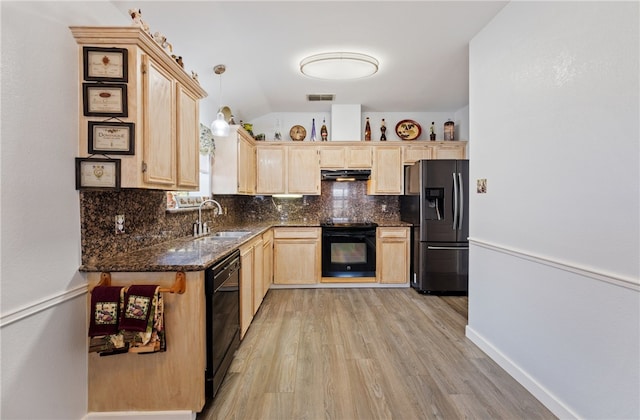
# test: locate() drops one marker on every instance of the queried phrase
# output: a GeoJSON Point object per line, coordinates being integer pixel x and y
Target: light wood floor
{"type": "Point", "coordinates": [365, 354]}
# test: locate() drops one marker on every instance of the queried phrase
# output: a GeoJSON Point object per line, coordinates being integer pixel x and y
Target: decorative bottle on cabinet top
{"type": "Point", "coordinates": [323, 131]}
{"type": "Point", "coordinates": [383, 129]}
{"type": "Point", "coordinates": [367, 131]}
{"type": "Point", "coordinates": [432, 131]}
{"type": "Point", "coordinates": [313, 129]}
{"type": "Point", "coordinates": [449, 130]}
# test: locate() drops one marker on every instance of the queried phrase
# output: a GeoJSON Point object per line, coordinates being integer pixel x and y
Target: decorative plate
{"type": "Point", "coordinates": [408, 130]}
{"type": "Point", "coordinates": [297, 133]}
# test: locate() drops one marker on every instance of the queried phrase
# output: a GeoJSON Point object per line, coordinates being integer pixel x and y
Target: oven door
{"type": "Point", "coordinates": [348, 252]}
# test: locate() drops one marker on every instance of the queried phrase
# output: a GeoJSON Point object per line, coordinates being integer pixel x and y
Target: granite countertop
{"type": "Point", "coordinates": [195, 254]}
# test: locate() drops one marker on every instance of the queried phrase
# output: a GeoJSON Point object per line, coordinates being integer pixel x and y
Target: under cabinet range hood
{"type": "Point", "coordinates": [346, 175]}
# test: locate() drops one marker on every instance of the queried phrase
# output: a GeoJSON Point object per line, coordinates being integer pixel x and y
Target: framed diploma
{"type": "Point", "coordinates": [100, 174]}
{"type": "Point", "coordinates": [104, 100]}
{"type": "Point", "coordinates": [111, 138]}
{"type": "Point", "coordinates": [105, 64]}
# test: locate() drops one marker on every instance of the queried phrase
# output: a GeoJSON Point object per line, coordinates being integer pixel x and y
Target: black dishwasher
{"type": "Point", "coordinates": [222, 290]}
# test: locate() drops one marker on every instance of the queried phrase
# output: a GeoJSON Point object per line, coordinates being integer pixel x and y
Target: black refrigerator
{"type": "Point", "coordinates": [436, 203]}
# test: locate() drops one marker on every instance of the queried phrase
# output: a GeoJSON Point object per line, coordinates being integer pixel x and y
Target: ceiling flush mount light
{"type": "Point", "coordinates": [339, 66]}
{"type": "Point", "coordinates": [220, 127]}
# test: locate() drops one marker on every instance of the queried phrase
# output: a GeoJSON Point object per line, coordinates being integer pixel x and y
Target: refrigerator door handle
{"type": "Point", "coordinates": [452, 248]}
{"type": "Point", "coordinates": [455, 201]}
{"type": "Point", "coordinates": [461, 208]}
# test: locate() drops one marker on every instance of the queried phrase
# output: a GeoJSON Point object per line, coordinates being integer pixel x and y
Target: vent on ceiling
{"type": "Point", "coordinates": [314, 97]}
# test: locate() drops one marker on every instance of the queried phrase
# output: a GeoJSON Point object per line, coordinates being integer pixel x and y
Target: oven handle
{"type": "Point", "coordinates": [345, 235]}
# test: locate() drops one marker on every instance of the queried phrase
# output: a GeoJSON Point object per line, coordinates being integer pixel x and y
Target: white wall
{"type": "Point", "coordinates": [554, 271]}
{"type": "Point", "coordinates": [43, 313]}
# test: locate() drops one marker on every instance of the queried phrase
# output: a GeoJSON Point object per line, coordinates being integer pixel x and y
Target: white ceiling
{"type": "Point", "coordinates": [422, 47]}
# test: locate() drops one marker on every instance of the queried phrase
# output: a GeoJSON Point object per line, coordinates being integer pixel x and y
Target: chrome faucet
{"type": "Point", "coordinates": [199, 222]}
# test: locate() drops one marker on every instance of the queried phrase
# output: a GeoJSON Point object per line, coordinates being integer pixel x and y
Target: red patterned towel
{"type": "Point", "coordinates": [137, 306]}
{"type": "Point", "coordinates": [105, 304]}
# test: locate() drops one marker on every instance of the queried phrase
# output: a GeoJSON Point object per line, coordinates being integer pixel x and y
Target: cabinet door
{"type": "Point", "coordinates": [303, 171]}
{"type": "Point", "coordinates": [449, 151]}
{"type": "Point", "coordinates": [271, 166]}
{"type": "Point", "coordinates": [246, 287]}
{"type": "Point", "coordinates": [412, 154]}
{"type": "Point", "coordinates": [246, 167]}
{"type": "Point", "coordinates": [359, 157]}
{"type": "Point", "coordinates": [159, 121]}
{"type": "Point", "coordinates": [333, 157]}
{"type": "Point", "coordinates": [267, 266]}
{"type": "Point", "coordinates": [258, 274]}
{"type": "Point", "coordinates": [387, 171]}
{"type": "Point", "coordinates": [393, 255]}
{"type": "Point", "coordinates": [188, 141]}
{"type": "Point", "coordinates": [297, 255]}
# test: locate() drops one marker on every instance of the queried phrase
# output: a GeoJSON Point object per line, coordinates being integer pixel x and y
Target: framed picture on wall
{"type": "Point", "coordinates": [111, 138]}
{"type": "Point", "coordinates": [106, 100]}
{"type": "Point", "coordinates": [105, 64]}
{"type": "Point", "coordinates": [97, 174]}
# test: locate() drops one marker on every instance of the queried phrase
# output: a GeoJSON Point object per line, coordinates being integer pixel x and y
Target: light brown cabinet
{"type": "Point", "coordinates": [163, 104]}
{"type": "Point", "coordinates": [450, 150]}
{"type": "Point", "coordinates": [393, 250]}
{"type": "Point", "coordinates": [271, 170]}
{"type": "Point", "coordinates": [233, 170]}
{"type": "Point", "coordinates": [251, 281]}
{"type": "Point", "coordinates": [267, 266]}
{"type": "Point", "coordinates": [345, 157]}
{"type": "Point", "coordinates": [246, 164]}
{"type": "Point", "coordinates": [296, 255]}
{"type": "Point", "coordinates": [287, 170]}
{"type": "Point", "coordinates": [387, 173]}
{"type": "Point", "coordinates": [177, 374]}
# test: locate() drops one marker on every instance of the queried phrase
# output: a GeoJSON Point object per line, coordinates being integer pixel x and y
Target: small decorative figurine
{"type": "Point", "coordinates": [323, 131]}
{"type": "Point", "coordinates": [194, 76]}
{"type": "Point", "coordinates": [162, 41]}
{"type": "Point", "coordinates": [367, 131]}
{"type": "Point", "coordinates": [383, 128]}
{"type": "Point", "coordinates": [136, 15]}
{"type": "Point", "coordinates": [432, 131]}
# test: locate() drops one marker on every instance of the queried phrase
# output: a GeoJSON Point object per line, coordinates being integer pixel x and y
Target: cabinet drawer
{"type": "Point", "coordinates": [296, 233]}
{"type": "Point", "coordinates": [393, 232]}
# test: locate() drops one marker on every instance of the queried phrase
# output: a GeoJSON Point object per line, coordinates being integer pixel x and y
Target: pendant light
{"type": "Point", "coordinates": [219, 127]}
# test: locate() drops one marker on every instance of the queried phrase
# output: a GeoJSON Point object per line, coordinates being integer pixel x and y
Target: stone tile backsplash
{"type": "Point", "coordinates": [147, 222]}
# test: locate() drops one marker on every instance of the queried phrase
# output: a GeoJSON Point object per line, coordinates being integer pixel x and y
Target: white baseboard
{"type": "Point", "coordinates": [536, 389]}
{"type": "Point", "coordinates": [146, 415]}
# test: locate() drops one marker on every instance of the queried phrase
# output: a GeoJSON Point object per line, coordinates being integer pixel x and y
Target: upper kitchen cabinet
{"type": "Point", "coordinates": [291, 169]}
{"type": "Point", "coordinates": [434, 150]}
{"type": "Point", "coordinates": [387, 172]}
{"type": "Point", "coordinates": [158, 97]}
{"type": "Point", "coordinates": [234, 164]}
{"type": "Point", "coordinates": [345, 157]}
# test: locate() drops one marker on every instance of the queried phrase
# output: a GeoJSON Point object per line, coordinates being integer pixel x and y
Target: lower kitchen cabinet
{"type": "Point", "coordinates": [251, 281]}
{"type": "Point", "coordinates": [296, 255]}
{"type": "Point", "coordinates": [267, 257]}
{"type": "Point", "coordinates": [393, 250]}
{"type": "Point", "coordinates": [166, 381]}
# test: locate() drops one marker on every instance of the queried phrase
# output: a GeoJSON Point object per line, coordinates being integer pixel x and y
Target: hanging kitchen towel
{"type": "Point", "coordinates": [105, 304]}
{"type": "Point", "coordinates": [153, 339]}
{"type": "Point", "coordinates": [138, 304]}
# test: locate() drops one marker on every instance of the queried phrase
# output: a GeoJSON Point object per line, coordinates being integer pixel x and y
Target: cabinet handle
{"type": "Point", "coordinates": [144, 167]}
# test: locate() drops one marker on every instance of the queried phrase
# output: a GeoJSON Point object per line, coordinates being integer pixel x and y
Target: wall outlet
{"type": "Point", "coordinates": [119, 219]}
{"type": "Point", "coordinates": [481, 185]}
